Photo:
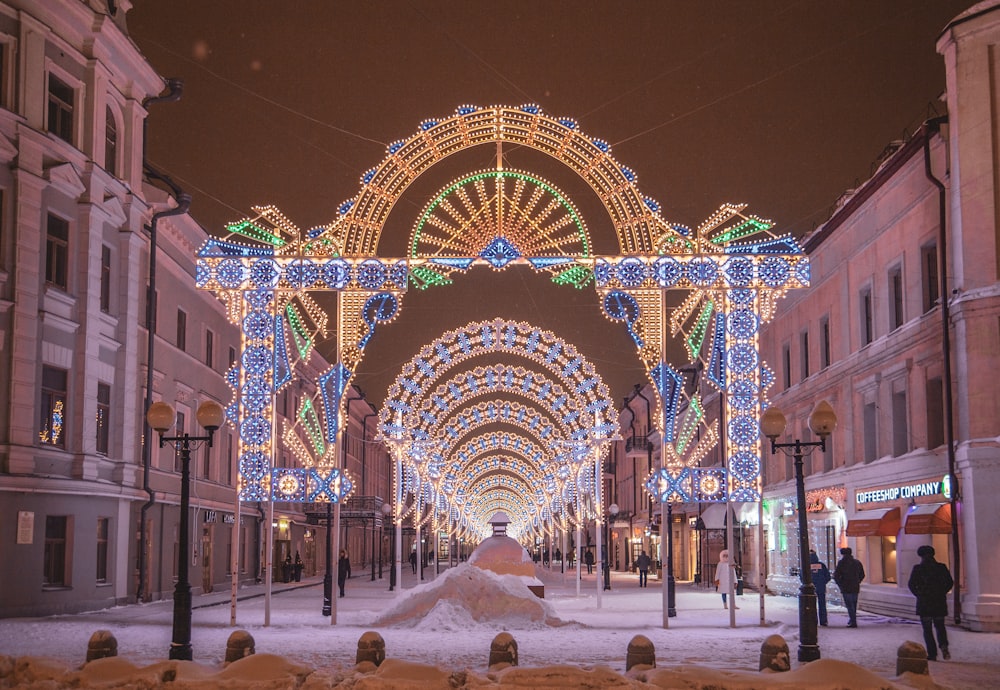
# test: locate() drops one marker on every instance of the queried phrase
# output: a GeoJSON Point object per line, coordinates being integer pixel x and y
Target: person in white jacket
{"type": "Point", "coordinates": [725, 577]}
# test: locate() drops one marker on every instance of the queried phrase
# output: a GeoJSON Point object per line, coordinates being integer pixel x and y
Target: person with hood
{"type": "Point", "coordinates": [930, 583]}
{"type": "Point", "coordinates": [820, 578]}
{"type": "Point", "coordinates": [848, 575]}
{"type": "Point", "coordinates": [725, 577]}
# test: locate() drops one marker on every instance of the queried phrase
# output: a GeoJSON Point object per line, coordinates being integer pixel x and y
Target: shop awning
{"type": "Point", "coordinates": [886, 524]}
{"type": "Point", "coordinates": [714, 516]}
{"type": "Point", "coordinates": [929, 518]}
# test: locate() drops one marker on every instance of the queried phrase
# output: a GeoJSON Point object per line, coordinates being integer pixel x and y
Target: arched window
{"type": "Point", "coordinates": [110, 142]}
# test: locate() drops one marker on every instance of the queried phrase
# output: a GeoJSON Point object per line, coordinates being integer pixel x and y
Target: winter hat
{"type": "Point", "coordinates": [846, 551]}
{"type": "Point", "coordinates": [925, 550]}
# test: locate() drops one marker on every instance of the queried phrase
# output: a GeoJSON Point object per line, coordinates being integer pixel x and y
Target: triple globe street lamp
{"type": "Point", "coordinates": [822, 422]}
{"type": "Point", "coordinates": [161, 417]}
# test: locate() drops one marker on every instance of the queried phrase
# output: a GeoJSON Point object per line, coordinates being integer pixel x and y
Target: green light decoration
{"type": "Point", "coordinates": [750, 226]}
{"type": "Point", "coordinates": [696, 338]}
{"type": "Point", "coordinates": [303, 343]}
{"type": "Point", "coordinates": [423, 277]}
{"type": "Point", "coordinates": [578, 276]}
{"type": "Point", "coordinates": [689, 424]}
{"type": "Point", "coordinates": [249, 229]}
{"type": "Point", "coordinates": [310, 420]}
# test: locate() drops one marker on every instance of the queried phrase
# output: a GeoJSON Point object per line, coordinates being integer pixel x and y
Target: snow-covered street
{"type": "Point", "coordinates": [577, 633]}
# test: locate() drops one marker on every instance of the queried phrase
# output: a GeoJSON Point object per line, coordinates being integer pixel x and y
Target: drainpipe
{"type": "Point", "coordinates": [649, 463]}
{"type": "Point", "coordinates": [933, 126]}
{"type": "Point", "coordinates": [175, 87]}
{"type": "Point", "coordinates": [635, 483]}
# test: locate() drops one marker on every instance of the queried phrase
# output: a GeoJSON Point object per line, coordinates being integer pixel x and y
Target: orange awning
{"type": "Point", "coordinates": [929, 518]}
{"type": "Point", "coordinates": [885, 525]}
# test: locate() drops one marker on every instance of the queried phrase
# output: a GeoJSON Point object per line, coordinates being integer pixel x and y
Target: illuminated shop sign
{"type": "Point", "coordinates": [903, 492]}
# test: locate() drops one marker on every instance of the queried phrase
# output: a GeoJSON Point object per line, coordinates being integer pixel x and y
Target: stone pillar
{"type": "Point", "coordinates": [911, 657]}
{"type": "Point", "coordinates": [239, 645]}
{"type": "Point", "coordinates": [503, 650]}
{"type": "Point", "coordinates": [774, 655]}
{"type": "Point", "coordinates": [640, 653]}
{"type": "Point", "coordinates": [103, 644]}
{"type": "Point", "coordinates": [371, 647]}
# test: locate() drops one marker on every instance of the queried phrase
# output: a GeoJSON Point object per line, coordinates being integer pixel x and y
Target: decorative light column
{"type": "Point", "coordinates": [822, 422]}
{"type": "Point", "coordinates": [161, 417]}
{"type": "Point", "coordinates": [612, 512]}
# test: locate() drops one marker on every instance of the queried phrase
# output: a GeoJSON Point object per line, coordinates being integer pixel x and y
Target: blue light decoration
{"type": "Point", "coordinates": [687, 484]}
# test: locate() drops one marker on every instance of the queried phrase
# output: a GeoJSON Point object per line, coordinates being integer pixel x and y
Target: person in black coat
{"type": "Point", "coordinates": [930, 583]}
{"type": "Point", "coordinates": [343, 570]}
{"type": "Point", "coordinates": [848, 575]}
{"type": "Point", "coordinates": [820, 578]}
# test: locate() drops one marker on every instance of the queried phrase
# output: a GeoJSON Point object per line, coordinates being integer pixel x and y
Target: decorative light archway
{"type": "Point", "coordinates": [732, 265]}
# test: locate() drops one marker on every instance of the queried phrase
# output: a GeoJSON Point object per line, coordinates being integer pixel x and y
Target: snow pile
{"type": "Point", "coordinates": [468, 596]}
{"type": "Point", "coordinates": [503, 556]}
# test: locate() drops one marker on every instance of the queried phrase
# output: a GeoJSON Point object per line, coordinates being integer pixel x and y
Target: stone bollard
{"type": "Point", "coordinates": [103, 644]}
{"type": "Point", "coordinates": [239, 645]}
{"type": "Point", "coordinates": [774, 654]}
{"type": "Point", "coordinates": [911, 657]}
{"type": "Point", "coordinates": [503, 650]}
{"type": "Point", "coordinates": [640, 653]}
{"type": "Point", "coordinates": [371, 647]}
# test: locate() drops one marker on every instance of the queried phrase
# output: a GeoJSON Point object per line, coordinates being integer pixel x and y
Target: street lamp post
{"type": "Point", "coordinates": [612, 512]}
{"type": "Point", "coordinates": [161, 417]}
{"type": "Point", "coordinates": [328, 576]}
{"type": "Point", "coordinates": [822, 422]}
{"type": "Point", "coordinates": [387, 511]}
{"type": "Point", "coordinates": [671, 588]}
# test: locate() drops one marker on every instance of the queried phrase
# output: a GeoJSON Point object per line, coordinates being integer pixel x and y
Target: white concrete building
{"type": "Point", "coordinates": [869, 337]}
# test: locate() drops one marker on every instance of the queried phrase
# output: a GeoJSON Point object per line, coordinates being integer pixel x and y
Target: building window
{"type": "Point", "coordinates": [870, 431]}
{"type": "Point", "coordinates": [210, 348]}
{"type": "Point", "coordinates": [61, 103]}
{"type": "Point", "coordinates": [102, 549]}
{"type": "Point", "coordinates": [867, 322]}
{"type": "Point", "coordinates": [110, 142]}
{"type": "Point", "coordinates": [179, 431]}
{"type": "Point", "coordinates": [181, 330]}
{"type": "Point", "coordinates": [895, 298]}
{"type": "Point", "coordinates": [935, 413]}
{"type": "Point", "coordinates": [824, 343]}
{"type": "Point", "coordinates": [900, 429]}
{"type": "Point", "coordinates": [53, 407]}
{"type": "Point", "coordinates": [232, 356]}
{"type": "Point", "coordinates": [103, 418]}
{"type": "Point", "coordinates": [105, 279]}
{"type": "Point", "coordinates": [929, 280]}
{"type": "Point", "coordinates": [786, 360]}
{"type": "Point", "coordinates": [888, 559]}
{"type": "Point", "coordinates": [804, 353]}
{"type": "Point", "coordinates": [230, 460]}
{"type": "Point", "coordinates": [57, 252]}
{"type": "Point", "coordinates": [55, 569]}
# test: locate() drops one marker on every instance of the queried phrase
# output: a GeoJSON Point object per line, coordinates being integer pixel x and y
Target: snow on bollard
{"type": "Point", "coordinates": [371, 647]}
{"type": "Point", "coordinates": [102, 644]}
{"type": "Point", "coordinates": [503, 650]}
{"type": "Point", "coordinates": [911, 657]}
{"type": "Point", "coordinates": [239, 645]}
{"type": "Point", "coordinates": [640, 653]}
{"type": "Point", "coordinates": [774, 654]}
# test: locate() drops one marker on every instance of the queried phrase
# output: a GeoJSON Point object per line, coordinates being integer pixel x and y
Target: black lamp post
{"type": "Point", "coordinates": [822, 422]}
{"type": "Point", "coordinates": [387, 511]}
{"type": "Point", "coordinates": [161, 417]}
{"type": "Point", "coordinates": [612, 512]}
{"type": "Point", "coordinates": [671, 589]}
{"type": "Point", "coordinates": [328, 575]}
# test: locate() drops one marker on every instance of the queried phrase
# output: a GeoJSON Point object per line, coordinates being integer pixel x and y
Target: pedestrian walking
{"type": "Point", "coordinates": [848, 575]}
{"type": "Point", "coordinates": [413, 561]}
{"type": "Point", "coordinates": [343, 570]}
{"type": "Point", "coordinates": [588, 558]}
{"type": "Point", "coordinates": [559, 555]}
{"type": "Point", "coordinates": [725, 577]}
{"type": "Point", "coordinates": [642, 564]}
{"type": "Point", "coordinates": [930, 582]}
{"type": "Point", "coordinates": [820, 578]}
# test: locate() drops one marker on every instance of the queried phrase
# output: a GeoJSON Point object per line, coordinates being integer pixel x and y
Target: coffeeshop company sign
{"type": "Point", "coordinates": [935, 489]}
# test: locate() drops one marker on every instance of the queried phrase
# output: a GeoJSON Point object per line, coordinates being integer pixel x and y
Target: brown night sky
{"type": "Point", "coordinates": [782, 105]}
